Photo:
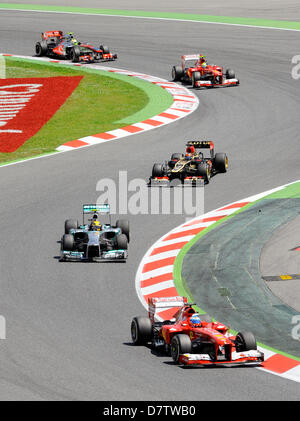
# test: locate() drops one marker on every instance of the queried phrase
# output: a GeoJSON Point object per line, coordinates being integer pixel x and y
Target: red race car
{"type": "Point", "coordinates": [195, 70]}
{"type": "Point", "coordinates": [192, 338]}
{"type": "Point", "coordinates": [59, 45]}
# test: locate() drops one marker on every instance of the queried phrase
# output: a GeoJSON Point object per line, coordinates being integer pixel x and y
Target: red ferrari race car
{"type": "Point", "coordinates": [195, 70]}
{"type": "Point", "coordinates": [192, 338]}
{"type": "Point", "coordinates": [56, 44]}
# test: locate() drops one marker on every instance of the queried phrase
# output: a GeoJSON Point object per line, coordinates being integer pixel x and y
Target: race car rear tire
{"type": "Point", "coordinates": [122, 242]}
{"type": "Point", "coordinates": [204, 171]}
{"type": "Point", "coordinates": [177, 73]}
{"type": "Point", "coordinates": [180, 344]}
{"type": "Point", "coordinates": [230, 74]}
{"type": "Point", "coordinates": [195, 77]}
{"type": "Point", "coordinates": [75, 54]}
{"type": "Point", "coordinates": [176, 156]}
{"type": "Point", "coordinates": [157, 170]}
{"type": "Point", "coordinates": [245, 341]}
{"type": "Point", "coordinates": [221, 162]}
{"type": "Point", "coordinates": [141, 330]}
{"type": "Point", "coordinates": [41, 48]}
{"type": "Point", "coordinates": [104, 49]}
{"type": "Point", "coordinates": [70, 224]}
{"type": "Point", "coordinates": [123, 224]}
{"type": "Point", "coordinates": [67, 243]}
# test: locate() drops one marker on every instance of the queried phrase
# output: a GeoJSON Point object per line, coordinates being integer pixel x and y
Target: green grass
{"type": "Point", "coordinates": [96, 106]}
{"type": "Point", "coordinates": [231, 20]}
{"type": "Point", "coordinates": [292, 191]}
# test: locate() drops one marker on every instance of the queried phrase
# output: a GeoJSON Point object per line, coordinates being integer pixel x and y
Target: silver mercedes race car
{"type": "Point", "coordinates": [94, 240]}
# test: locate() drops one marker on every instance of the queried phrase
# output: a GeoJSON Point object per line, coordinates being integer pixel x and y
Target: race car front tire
{"type": "Point", "coordinates": [122, 242]}
{"type": "Point", "coordinates": [245, 341]}
{"type": "Point", "coordinates": [141, 330]}
{"type": "Point", "coordinates": [67, 243]}
{"type": "Point", "coordinates": [230, 74]}
{"type": "Point", "coordinates": [75, 54]}
{"type": "Point", "coordinates": [221, 162]}
{"type": "Point", "coordinates": [203, 171]}
{"type": "Point", "coordinates": [180, 344]}
{"type": "Point", "coordinates": [158, 170]}
{"type": "Point", "coordinates": [195, 77]}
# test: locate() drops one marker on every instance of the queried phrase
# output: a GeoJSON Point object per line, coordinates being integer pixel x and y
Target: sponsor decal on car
{"type": "Point", "coordinates": [27, 104]}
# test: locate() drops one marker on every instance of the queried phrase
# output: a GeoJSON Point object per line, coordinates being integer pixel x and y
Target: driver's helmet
{"type": "Point", "coordinates": [202, 62]}
{"type": "Point", "coordinates": [190, 150]}
{"type": "Point", "coordinates": [95, 225]}
{"type": "Point", "coordinates": [195, 320]}
{"type": "Point", "coordinates": [70, 37]}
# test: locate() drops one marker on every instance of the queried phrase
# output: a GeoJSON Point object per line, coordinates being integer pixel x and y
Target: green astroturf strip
{"type": "Point", "coordinates": [290, 191]}
{"type": "Point", "coordinates": [103, 100]}
{"type": "Point", "coordinates": [158, 15]}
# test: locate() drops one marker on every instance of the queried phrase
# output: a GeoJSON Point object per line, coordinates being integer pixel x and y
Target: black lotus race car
{"type": "Point", "coordinates": [94, 240]}
{"type": "Point", "coordinates": [56, 44]}
{"type": "Point", "coordinates": [190, 167]}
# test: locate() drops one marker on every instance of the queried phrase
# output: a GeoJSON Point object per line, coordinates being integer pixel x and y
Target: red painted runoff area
{"type": "Point", "coordinates": [27, 104]}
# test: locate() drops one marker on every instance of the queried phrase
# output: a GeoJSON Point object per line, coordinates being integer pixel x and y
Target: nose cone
{"type": "Point", "coordinates": [93, 238]}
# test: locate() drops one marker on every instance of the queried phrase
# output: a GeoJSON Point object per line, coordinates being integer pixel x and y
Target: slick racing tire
{"type": "Point", "coordinates": [123, 224]}
{"type": "Point", "coordinates": [157, 170]}
{"type": "Point", "coordinates": [67, 243]}
{"type": "Point", "coordinates": [230, 74]}
{"type": "Point", "coordinates": [141, 330]}
{"type": "Point", "coordinates": [70, 224]}
{"type": "Point", "coordinates": [177, 73]}
{"type": "Point", "coordinates": [75, 54]}
{"type": "Point", "coordinates": [203, 171]}
{"type": "Point", "coordinates": [104, 49]}
{"type": "Point", "coordinates": [180, 344]}
{"type": "Point", "coordinates": [174, 159]}
{"type": "Point", "coordinates": [221, 162]}
{"type": "Point", "coordinates": [245, 341]}
{"type": "Point", "coordinates": [41, 48]}
{"type": "Point", "coordinates": [122, 242]}
{"type": "Point", "coordinates": [176, 156]}
{"type": "Point", "coordinates": [195, 77]}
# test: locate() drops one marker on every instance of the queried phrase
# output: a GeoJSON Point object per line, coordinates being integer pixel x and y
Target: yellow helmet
{"type": "Point", "coordinates": [95, 226]}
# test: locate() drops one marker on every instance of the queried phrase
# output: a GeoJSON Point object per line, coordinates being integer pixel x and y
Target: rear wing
{"type": "Point", "coordinates": [191, 57]}
{"type": "Point", "coordinates": [51, 34]}
{"type": "Point", "coordinates": [203, 144]}
{"type": "Point", "coordinates": [165, 304]}
{"type": "Point", "coordinates": [103, 208]}
{"type": "Point", "coordinates": [91, 209]}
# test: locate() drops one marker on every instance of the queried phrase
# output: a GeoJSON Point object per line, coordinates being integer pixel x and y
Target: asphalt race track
{"type": "Point", "coordinates": [68, 335]}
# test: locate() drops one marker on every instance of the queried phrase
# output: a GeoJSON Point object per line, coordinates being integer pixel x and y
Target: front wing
{"type": "Point", "coordinates": [193, 181]}
{"type": "Point", "coordinates": [107, 256]}
{"type": "Point", "coordinates": [244, 357]}
{"type": "Point", "coordinates": [208, 83]}
{"type": "Point", "coordinates": [87, 58]}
